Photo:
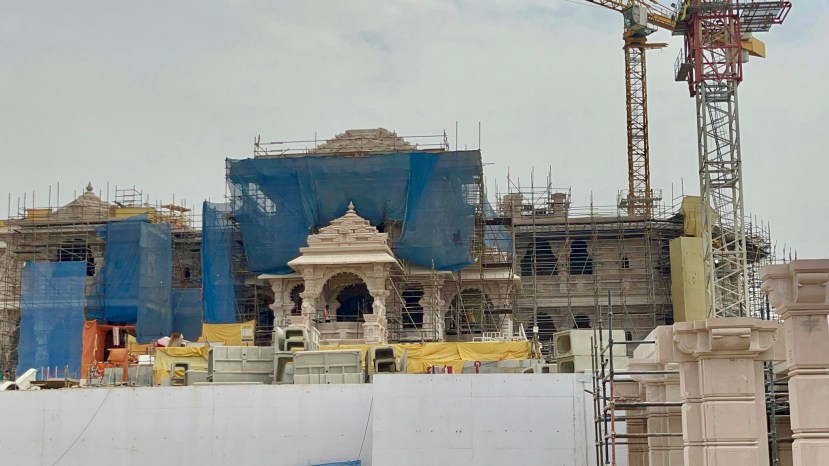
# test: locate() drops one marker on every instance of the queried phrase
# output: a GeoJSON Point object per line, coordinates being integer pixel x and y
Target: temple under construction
{"type": "Point", "coordinates": [367, 237]}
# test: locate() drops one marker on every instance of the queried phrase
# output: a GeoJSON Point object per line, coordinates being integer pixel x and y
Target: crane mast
{"type": "Point", "coordinates": [639, 201]}
{"type": "Point", "coordinates": [639, 198]}
{"type": "Point", "coordinates": [711, 63]}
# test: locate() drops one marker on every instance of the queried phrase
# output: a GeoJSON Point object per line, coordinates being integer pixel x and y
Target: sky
{"type": "Point", "coordinates": [157, 94]}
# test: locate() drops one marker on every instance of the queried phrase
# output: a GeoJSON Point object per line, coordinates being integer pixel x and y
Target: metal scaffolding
{"type": "Point", "coordinates": [613, 407]}
{"type": "Point", "coordinates": [57, 232]}
{"type": "Point", "coordinates": [567, 255]}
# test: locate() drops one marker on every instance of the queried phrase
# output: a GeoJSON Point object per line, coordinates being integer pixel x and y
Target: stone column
{"type": "Point", "coordinates": [799, 292]}
{"type": "Point", "coordinates": [278, 305]}
{"type": "Point", "coordinates": [661, 450]}
{"type": "Point", "coordinates": [635, 421]}
{"type": "Point", "coordinates": [721, 379]}
{"type": "Point", "coordinates": [639, 453]}
{"type": "Point", "coordinates": [673, 445]}
{"type": "Point", "coordinates": [657, 422]}
{"type": "Point", "coordinates": [667, 448]}
{"type": "Point", "coordinates": [309, 311]}
{"type": "Point", "coordinates": [432, 303]}
{"type": "Point", "coordinates": [374, 327]}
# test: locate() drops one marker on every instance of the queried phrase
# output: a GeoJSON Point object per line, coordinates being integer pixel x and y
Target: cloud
{"type": "Point", "coordinates": [157, 96]}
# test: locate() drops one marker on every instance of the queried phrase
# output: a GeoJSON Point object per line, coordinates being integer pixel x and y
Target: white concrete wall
{"type": "Point", "coordinates": [486, 419]}
{"type": "Point", "coordinates": [218, 425]}
{"type": "Point", "coordinates": [497, 419]}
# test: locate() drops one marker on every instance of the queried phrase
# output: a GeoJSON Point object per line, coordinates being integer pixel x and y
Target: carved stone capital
{"type": "Point", "coordinates": [731, 337]}
{"type": "Point", "coordinates": [379, 294]}
{"type": "Point", "coordinates": [800, 287]}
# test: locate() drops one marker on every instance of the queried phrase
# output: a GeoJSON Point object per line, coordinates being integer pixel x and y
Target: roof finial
{"type": "Point", "coordinates": [89, 187]}
{"type": "Point", "coordinates": [351, 207]}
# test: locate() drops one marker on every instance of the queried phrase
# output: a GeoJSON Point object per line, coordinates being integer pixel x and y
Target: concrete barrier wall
{"type": "Point", "coordinates": [205, 425]}
{"type": "Point", "coordinates": [485, 419]}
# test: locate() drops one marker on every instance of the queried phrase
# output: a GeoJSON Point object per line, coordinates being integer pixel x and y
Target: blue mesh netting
{"type": "Point", "coordinates": [216, 252]}
{"type": "Point", "coordinates": [95, 298]}
{"type": "Point", "coordinates": [52, 316]}
{"type": "Point", "coordinates": [278, 201]}
{"type": "Point", "coordinates": [187, 312]}
{"type": "Point", "coordinates": [138, 276]}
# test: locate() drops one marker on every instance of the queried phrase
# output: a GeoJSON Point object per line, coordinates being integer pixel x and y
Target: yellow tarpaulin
{"type": "Point", "coordinates": [239, 334]}
{"type": "Point", "coordinates": [196, 357]}
{"type": "Point", "coordinates": [421, 356]}
{"type": "Point", "coordinates": [691, 208]}
{"type": "Point", "coordinates": [136, 348]}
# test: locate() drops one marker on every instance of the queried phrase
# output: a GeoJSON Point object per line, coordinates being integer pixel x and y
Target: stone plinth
{"type": "Point", "coordinates": [799, 292]}
{"type": "Point", "coordinates": [722, 389]}
{"type": "Point", "coordinates": [374, 329]}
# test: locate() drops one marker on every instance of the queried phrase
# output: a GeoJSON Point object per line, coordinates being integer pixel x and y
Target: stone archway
{"type": "Point", "coordinates": [354, 301]}
{"type": "Point", "coordinates": [346, 298]}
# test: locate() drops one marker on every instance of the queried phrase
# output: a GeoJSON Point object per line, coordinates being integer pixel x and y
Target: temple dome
{"type": "Point", "coordinates": [363, 141]}
{"type": "Point", "coordinates": [87, 206]}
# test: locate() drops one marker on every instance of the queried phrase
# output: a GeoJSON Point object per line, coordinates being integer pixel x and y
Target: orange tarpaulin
{"type": "Point", "coordinates": [94, 342]}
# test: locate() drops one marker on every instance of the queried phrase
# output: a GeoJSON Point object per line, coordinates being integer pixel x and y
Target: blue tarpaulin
{"type": "Point", "coordinates": [216, 253]}
{"type": "Point", "coordinates": [187, 312]}
{"type": "Point", "coordinates": [138, 276]}
{"type": "Point", "coordinates": [52, 317]}
{"type": "Point", "coordinates": [341, 463]}
{"type": "Point", "coordinates": [279, 201]}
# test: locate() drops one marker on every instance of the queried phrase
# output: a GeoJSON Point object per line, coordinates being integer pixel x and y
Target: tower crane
{"type": "Point", "coordinates": [718, 39]}
{"type": "Point", "coordinates": [641, 19]}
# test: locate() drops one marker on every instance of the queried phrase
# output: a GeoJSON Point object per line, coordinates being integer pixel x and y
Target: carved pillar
{"type": "Point", "coordinates": [432, 304]}
{"type": "Point", "coordinates": [722, 368]}
{"type": "Point", "coordinates": [374, 326]}
{"type": "Point", "coordinates": [277, 307]}
{"type": "Point", "coordinates": [672, 445]}
{"type": "Point", "coordinates": [799, 292]}
{"type": "Point", "coordinates": [310, 298]}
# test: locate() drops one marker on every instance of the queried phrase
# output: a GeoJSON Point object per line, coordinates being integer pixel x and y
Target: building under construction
{"type": "Point", "coordinates": [127, 256]}
{"type": "Point", "coordinates": [420, 255]}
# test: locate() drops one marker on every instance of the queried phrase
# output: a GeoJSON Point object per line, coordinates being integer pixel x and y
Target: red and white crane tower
{"type": "Point", "coordinates": [718, 39]}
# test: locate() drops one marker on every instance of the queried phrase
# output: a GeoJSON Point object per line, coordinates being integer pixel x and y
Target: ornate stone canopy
{"type": "Point", "coordinates": [348, 240]}
{"type": "Point", "coordinates": [349, 247]}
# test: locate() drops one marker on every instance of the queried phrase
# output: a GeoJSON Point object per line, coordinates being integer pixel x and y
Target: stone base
{"type": "Point", "coordinates": [303, 321]}
{"type": "Point", "coordinates": [374, 329]}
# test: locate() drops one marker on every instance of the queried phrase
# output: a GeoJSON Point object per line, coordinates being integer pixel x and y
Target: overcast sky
{"type": "Point", "coordinates": [158, 94]}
